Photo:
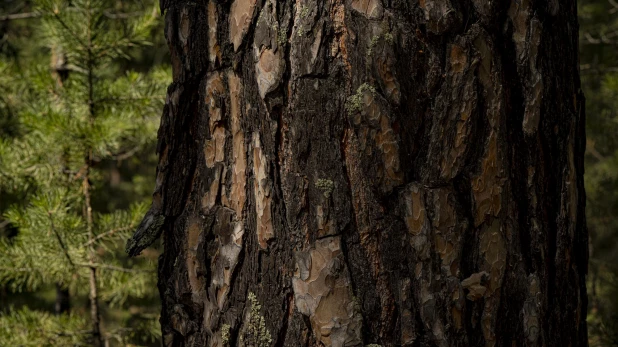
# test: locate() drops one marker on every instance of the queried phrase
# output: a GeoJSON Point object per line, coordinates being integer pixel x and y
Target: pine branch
{"type": "Point", "coordinates": [111, 15]}
{"type": "Point", "coordinates": [25, 327]}
{"type": "Point", "coordinates": [129, 98]}
{"type": "Point", "coordinates": [108, 13]}
{"type": "Point", "coordinates": [106, 234]}
{"type": "Point", "coordinates": [114, 268]}
{"type": "Point", "coordinates": [19, 269]}
{"type": "Point", "coordinates": [62, 245]}
{"type": "Point", "coordinates": [67, 28]}
{"type": "Point", "coordinates": [25, 15]}
{"type": "Point", "coordinates": [614, 6]}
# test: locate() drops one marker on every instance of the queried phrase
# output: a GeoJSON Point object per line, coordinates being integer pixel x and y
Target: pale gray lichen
{"type": "Point", "coordinates": [355, 102]}
{"type": "Point", "coordinates": [374, 41]}
{"type": "Point", "coordinates": [262, 17]}
{"type": "Point", "coordinates": [225, 333]}
{"type": "Point", "coordinates": [256, 329]}
{"type": "Point", "coordinates": [389, 38]}
{"type": "Point", "coordinates": [282, 37]}
{"type": "Point", "coordinates": [326, 186]}
{"type": "Point", "coordinates": [386, 35]}
{"type": "Point", "coordinates": [304, 12]}
{"type": "Point", "coordinates": [281, 33]}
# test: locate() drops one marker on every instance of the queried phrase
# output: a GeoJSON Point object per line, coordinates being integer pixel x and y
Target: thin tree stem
{"type": "Point", "coordinates": [108, 233]}
{"type": "Point", "coordinates": [94, 298]}
{"type": "Point", "coordinates": [19, 16]}
{"type": "Point", "coordinates": [59, 238]}
{"type": "Point", "coordinates": [114, 268]}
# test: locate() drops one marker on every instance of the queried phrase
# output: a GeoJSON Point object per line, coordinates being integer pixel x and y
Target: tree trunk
{"type": "Point", "coordinates": [345, 173]}
{"type": "Point", "coordinates": [63, 300]}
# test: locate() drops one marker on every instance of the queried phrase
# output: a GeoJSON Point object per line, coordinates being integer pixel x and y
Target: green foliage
{"type": "Point", "coordinates": [599, 23]}
{"type": "Point", "coordinates": [25, 327]}
{"type": "Point", "coordinates": [65, 133]}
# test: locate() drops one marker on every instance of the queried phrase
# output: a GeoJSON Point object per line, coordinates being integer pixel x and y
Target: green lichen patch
{"type": "Point", "coordinates": [386, 35]}
{"type": "Point", "coordinates": [354, 103]}
{"type": "Point", "coordinates": [300, 31]}
{"type": "Point", "coordinates": [304, 12]}
{"type": "Point", "coordinates": [256, 332]}
{"type": "Point", "coordinates": [374, 41]}
{"type": "Point", "coordinates": [225, 333]}
{"type": "Point", "coordinates": [325, 186]}
{"type": "Point", "coordinates": [282, 37]}
{"type": "Point", "coordinates": [389, 38]}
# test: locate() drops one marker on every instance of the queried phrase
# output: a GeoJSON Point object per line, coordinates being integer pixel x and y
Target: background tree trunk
{"type": "Point", "coordinates": [60, 73]}
{"type": "Point", "coordinates": [63, 300]}
{"type": "Point", "coordinates": [348, 172]}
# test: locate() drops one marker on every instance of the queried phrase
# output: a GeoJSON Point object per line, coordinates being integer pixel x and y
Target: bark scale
{"type": "Point", "coordinates": [349, 172]}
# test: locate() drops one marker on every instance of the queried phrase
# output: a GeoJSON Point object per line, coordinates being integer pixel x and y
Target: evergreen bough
{"type": "Point", "coordinates": [85, 112]}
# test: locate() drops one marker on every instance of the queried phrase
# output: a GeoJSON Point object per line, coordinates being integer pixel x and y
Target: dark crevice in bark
{"type": "Point", "coordinates": [278, 113]}
{"type": "Point", "coordinates": [468, 16]}
{"type": "Point", "coordinates": [553, 171]}
{"type": "Point", "coordinates": [287, 309]}
{"type": "Point", "coordinates": [307, 322]}
{"type": "Point", "coordinates": [422, 335]}
{"type": "Point", "coordinates": [362, 287]}
{"type": "Point", "coordinates": [223, 32]}
{"type": "Point", "coordinates": [166, 266]}
{"type": "Point", "coordinates": [520, 146]}
{"type": "Point", "coordinates": [348, 234]}
{"type": "Point", "coordinates": [239, 266]}
{"type": "Point", "coordinates": [553, 211]}
{"type": "Point", "coordinates": [234, 335]}
{"type": "Point", "coordinates": [550, 211]}
{"type": "Point", "coordinates": [245, 45]}
{"type": "Point", "coordinates": [277, 174]}
{"type": "Point", "coordinates": [207, 242]}
{"type": "Point", "coordinates": [519, 155]}
{"type": "Point", "coordinates": [259, 266]}
{"type": "Point", "coordinates": [470, 258]}
{"type": "Point", "coordinates": [183, 150]}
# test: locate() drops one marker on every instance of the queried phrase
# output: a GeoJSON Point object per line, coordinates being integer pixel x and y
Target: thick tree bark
{"type": "Point", "coordinates": [349, 172]}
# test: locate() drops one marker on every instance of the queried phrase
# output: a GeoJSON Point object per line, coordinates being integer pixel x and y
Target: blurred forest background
{"type": "Point", "coordinates": [82, 84]}
{"type": "Point", "coordinates": [598, 21]}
